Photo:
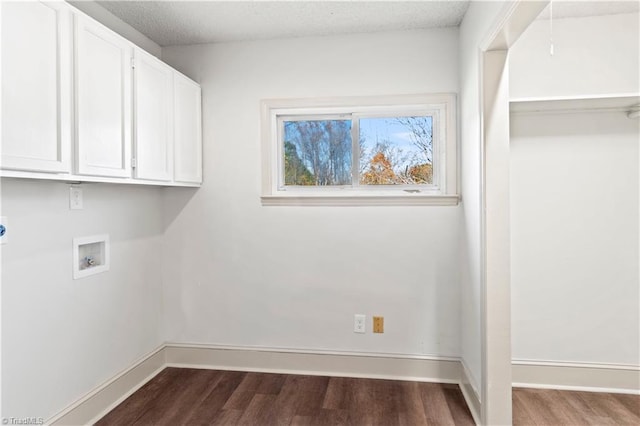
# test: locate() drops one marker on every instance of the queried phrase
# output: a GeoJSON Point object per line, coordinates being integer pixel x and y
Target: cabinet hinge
{"type": "Point", "coordinates": [133, 63]}
{"type": "Point", "coordinates": [133, 163]}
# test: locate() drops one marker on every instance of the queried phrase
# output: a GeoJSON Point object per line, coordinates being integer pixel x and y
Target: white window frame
{"type": "Point", "coordinates": [443, 191]}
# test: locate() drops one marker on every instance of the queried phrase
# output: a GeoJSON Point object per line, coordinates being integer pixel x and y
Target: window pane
{"type": "Point", "coordinates": [396, 150]}
{"type": "Point", "coordinates": [317, 152]}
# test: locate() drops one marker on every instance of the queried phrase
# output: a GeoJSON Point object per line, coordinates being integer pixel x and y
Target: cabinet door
{"type": "Point", "coordinates": [187, 130]}
{"type": "Point", "coordinates": [103, 101]}
{"type": "Point", "coordinates": [36, 86]}
{"type": "Point", "coordinates": [153, 118]}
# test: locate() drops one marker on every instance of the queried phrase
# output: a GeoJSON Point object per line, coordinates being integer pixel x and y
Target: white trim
{"type": "Point", "coordinates": [569, 105]}
{"type": "Point", "coordinates": [495, 321]}
{"type": "Point", "coordinates": [468, 386]}
{"type": "Point", "coordinates": [577, 388]}
{"type": "Point", "coordinates": [575, 98]}
{"type": "Point", "coordinates": [376, 366]}
{"type": "Point", "coordinates": [471, 378]}
{"type": "Point", "coordinates": [576, 364]}
{"type": "Point", "coordinates": [312, 351]}
{"type": "Point", "coordinates": [472, 401]}
{"type": "Point", "coordinates": [103, 398]}
{"type": "Point", "coordinates": [360, 200]}
{"type": "Point", "coordinates": [314, 373]}
{"type": "Point", "coordinates": [588, 377]}
{"type": "Point", "coordinates": [496, 386]}
{"type": "Point", "coordinates": [90, 179]}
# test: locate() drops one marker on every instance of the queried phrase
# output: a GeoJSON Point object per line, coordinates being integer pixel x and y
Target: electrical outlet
{"type": "Point", "coordinates": [3, 230]}
{"type": "Point", "coordinates": [359, 323]}
{"type": "Point", "coordinates": [378, 324]}
{"type": "Point", "coordinates": [75, 198]}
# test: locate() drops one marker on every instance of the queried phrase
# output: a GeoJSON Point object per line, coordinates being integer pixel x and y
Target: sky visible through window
{"type": "Point", "coordinates": [393, 150]}
{"type": "Point", "coordinates": [380, 131]}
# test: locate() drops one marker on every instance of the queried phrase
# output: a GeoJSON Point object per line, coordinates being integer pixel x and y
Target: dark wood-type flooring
{"type": "Point", "coordinates": [192, 397]}
{"type": "Point", "coordinates": [183, 396]}
{"type": "Point", "coordinates": [554, 407]}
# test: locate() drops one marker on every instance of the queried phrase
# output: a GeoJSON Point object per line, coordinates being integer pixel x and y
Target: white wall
{"type": "Point", "coordinates": [574, 217]}
{"type": "Point", "coordinates": [62, 337]}
{"type": "Point", "coordinates": [237, 273]}
{"type": "Point", "coordinates": [596, 55]}
{"type": "Point", "coordinates": [474, 27]}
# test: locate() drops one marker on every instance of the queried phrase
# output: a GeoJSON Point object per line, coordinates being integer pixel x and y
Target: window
{"type": "Point", "coordinates": [346, 151]}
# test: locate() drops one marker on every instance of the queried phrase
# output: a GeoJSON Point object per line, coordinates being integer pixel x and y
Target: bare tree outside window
{"type": "Point", "coordinates": [396, 151]}
{"type": "Point", "coordinates": [317, 152]}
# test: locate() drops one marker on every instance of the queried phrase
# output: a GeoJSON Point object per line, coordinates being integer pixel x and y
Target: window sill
{"type": "Point", "coordinates": [359, 200]}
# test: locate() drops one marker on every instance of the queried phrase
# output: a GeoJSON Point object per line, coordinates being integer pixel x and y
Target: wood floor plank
{"type": "Point", "coordinates": [521, 414]}
{"type": "Point", "coordinates": [287, 401]}
{"type": "Point", "coordinates": [225, 417]}
{"type": "Point", "coordinates": [580, 409]}
{"type": "Point", "coordinates": [554, 407]}
{"type": "Point", "coordinates": [632, 402]}
{"type": "Point", "coordinates": [209, 408]}
{"type": "Point", "coordinates": [557, 402]}
{"type": "Point", "coordinates": [360, 402]}
{"type": "Point", "coordinates": [257, 412]}
{"type": "Point", "coordinates": [301, 421]}
{"type": "Point", "coordinates": [325, 417]}
{"type": "Point", "coordinates": [312, 392]}
{"type": "Point", "coordinates": [244, 393]}
{"type": "Point", "coordinates": [610, 408]}
{"type": "Point", "coordinates": [458, 406]}
{"type": "Point", "coordinates": [190, 385]}
{"type": "Point", "coordinates": [435, 405]}
{"type": "Point", "coordinates": [336, 396]}
{"type": "Point", "coordinates": [537, 407]}
{"type": "Point", "coordinates": [411, 411]}
{"type": "Point", "coordinates": [574, 411]}
{"type": "Point", "coordinates": [132, 408]}
{"type": "Point", "coordinates": [271, 384]}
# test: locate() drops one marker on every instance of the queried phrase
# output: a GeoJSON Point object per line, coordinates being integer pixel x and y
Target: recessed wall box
{"type": "Point", "coordinates": [90, 255]}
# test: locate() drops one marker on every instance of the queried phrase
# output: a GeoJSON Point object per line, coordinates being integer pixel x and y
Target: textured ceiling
{"type": "Point", "coordinates": [176, 22]}
{"type": "Point", "coordinates": [573, 9]}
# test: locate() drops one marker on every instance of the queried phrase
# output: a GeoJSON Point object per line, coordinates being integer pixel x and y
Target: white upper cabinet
{"type": "Point", "coordinates": [81, 103]}
{"type": "Point", "coordinates": [36, 86]}
{"type": "Point", "coordinates": [153, 118]}
{"type": "Point", "coordinates": [187, 130]}
{"type": "Point", "coordinates": [103, 63]}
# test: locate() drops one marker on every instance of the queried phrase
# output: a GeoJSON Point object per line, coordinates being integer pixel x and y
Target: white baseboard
{"type": "Point", "coordinates": [102, 399]}
{"type": "Point", "coordinates": [470, 392]}
{"type": "Point", "coordinates": [334, 364]}
{"type": "Point", "coordinates": [586, 377]}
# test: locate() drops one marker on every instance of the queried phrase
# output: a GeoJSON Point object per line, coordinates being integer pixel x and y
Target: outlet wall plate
{"type": "Point", "coordinates": [359, 323]}
{"type": "Point", "coordinates": [378, 324]}
{"type": "Point", "coordinates": [4, 230]}
{"type": "Point", "coordinates": [75, 198]}
{"type": "Point", "coordinates": [90, 255]}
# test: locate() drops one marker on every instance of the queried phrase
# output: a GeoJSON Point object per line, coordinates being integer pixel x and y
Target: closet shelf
{"type": "Point", "coordinates": [618, 102]}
